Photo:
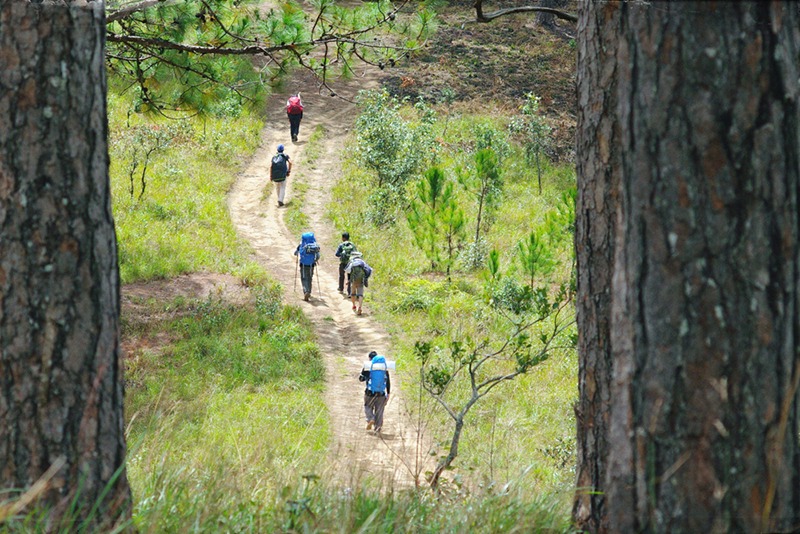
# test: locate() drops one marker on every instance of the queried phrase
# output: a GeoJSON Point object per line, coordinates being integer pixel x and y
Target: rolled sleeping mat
{"type": "Point", "coordinates": [379, 366]}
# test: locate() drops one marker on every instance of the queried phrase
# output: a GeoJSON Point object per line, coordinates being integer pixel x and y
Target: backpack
{"type": "Point", "coordinates": [377, 377]}
{"type": "Point", "coordinates": [347, 249]}
{"type": "Point", "coordinates": [357, 273]}
{"type": "Point", "coordinates": [279, 168]}
{"type": "Point", "coordinates": [309, 249]}
{"type": "Point", "coordinates": [294, 106]}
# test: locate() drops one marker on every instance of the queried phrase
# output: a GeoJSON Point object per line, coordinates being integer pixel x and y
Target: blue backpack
{"type": "Point", "coordinates": [309, 249]}
{"type": "Point", "coordinates": [377, 377]}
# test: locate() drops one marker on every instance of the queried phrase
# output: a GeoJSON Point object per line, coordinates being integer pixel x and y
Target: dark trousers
{"type": "Point", "coordinates": [306, 277]}
{"type": "Point", "coordinates": [342, 275]}
{"type": "Point", "coordinates": [373, 409]}
{"type": "Point", "coordinates": [294, 125]}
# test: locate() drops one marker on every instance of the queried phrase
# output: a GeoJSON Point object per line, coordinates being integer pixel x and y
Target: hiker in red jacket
{"type": "Point", "coordinates": [294, 110]}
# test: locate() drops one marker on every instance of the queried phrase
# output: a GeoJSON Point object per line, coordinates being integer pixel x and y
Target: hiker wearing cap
{"type": "Point", "coordinates": [279, 170]}
{"type": "Point", "coordinates": [343, 251]}
{"type": "Point", "coordinates": [359, 273]}
{"type": "Point", "coordinates": [308, 255]}
{"type": "Point", "coordinates": [294, 110]}
{"type": "Point", "coordinates": [376, 394]}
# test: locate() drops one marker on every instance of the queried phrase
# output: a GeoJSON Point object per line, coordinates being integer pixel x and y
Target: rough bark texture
{"type": "Point", "coordinates": [60, 376]}
{"type": "Point", "coordinates": [598, 168]}
{"type": "Point", "coordinates": [703, 433]}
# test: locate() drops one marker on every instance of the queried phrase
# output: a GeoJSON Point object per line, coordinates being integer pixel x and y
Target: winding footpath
{"type": "Point", "coordinates": [344, 339]}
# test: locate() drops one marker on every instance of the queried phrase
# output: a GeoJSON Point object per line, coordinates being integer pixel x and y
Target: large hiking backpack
{"type": "Point", "coordinates": [294, 106]}
{"type": "Point", "coordinates": [309, 249]}
{"type": "Point", "coordinates": [279, 168]}
{"type": "Point", "coordinates": [358, 273]}
{"type": "Point", "coordinates": [377, 377]}
{"type": "Point", "coordinates": [347, 249]}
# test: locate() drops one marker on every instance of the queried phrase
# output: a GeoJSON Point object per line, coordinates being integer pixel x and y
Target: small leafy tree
{"type": "Point", "coordinates": [462, 373]}
{"type": "Point", "coordinates": [453, 224]}
{"type": "Point", "coordinates": [389, 145]}
{"type": "Point", "coordinates": [435, 217]}
{"type": "Point", "coordinates": [535, 256]}
{"type": "Point", "coordinates": [484, 183]}
{"type": "Point", "coordinates": [488, 137]}
{"type": "Point", "coordinates": [533, 129]}
{"type": "Point", "coordinates": [140, 144]}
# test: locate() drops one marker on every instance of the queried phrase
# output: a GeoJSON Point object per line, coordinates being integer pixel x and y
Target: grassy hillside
{"type": "Point", "coordinates": [219, 438]}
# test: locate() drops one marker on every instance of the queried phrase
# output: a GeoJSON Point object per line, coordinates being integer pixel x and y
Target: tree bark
{"type": "Point", "coordinates": [705, 307]}
{"type": "Point", "coordinates": [598, 172]}
{"type": "Point", "coordinates": [61, 394]}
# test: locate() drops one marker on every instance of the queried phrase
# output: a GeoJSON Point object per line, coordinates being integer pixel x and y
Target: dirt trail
{"type": "Point", "coordinates": [344, 338]}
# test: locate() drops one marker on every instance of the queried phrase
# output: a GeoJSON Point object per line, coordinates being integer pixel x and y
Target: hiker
{"type": "Point", "coordinates": [279, 171]}
{"type": "Point", "coordinates": [359, 273]}
{"type": "Point", "coordinates": [308, 253]}
{"type": "Point", "coordinates": [343, 251]}
{"type": "Point", "coordinates": [376, 394]}
{"type": "Point", "coordinates": [294, 110]}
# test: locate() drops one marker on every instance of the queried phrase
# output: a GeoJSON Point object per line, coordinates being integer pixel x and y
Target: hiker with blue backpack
{"type": "Point", "coordinates": [308, 256]}
{"type": "Point", "coordinates": [343, 251]}
{"type": "Point", "coordinates": [279, 170]}
{"type": "Point", "coordinates": [376, 394]}
{"type": "Point", "coordinates": [359, 273]}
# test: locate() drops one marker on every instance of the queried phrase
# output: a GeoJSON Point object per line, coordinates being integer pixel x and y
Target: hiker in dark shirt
{"type": "Point", "coordinates": [376, 394]}
{"type": "Point", "coordinates": [280, 169]}
{"type": "Point", "coordinates": [343, 251]}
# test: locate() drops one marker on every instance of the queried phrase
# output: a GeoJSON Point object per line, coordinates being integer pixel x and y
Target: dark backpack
{"type": "Point", "coordinates": [294, 106]}
{"type": "Point", "coordinates": [347, 249]}
{"type": "Point", "coordinates": [311, 248]}
{"type": "Point", "coordinates": [377, 377]}
{"type": "Point", "coordinates": [279, 168]}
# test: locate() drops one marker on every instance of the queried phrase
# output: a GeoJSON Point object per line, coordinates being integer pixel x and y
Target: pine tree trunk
{"type": "Point", "coordinates": [705, 315]}
{"type": "Point", "coordinates": [60, 375]}
{"type": "Point", "coordinates": [598, 172]}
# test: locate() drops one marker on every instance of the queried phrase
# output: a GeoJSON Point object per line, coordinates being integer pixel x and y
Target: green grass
{"type": "Point", "coordinates": [180, 223]}
{"type": "Point", "coordinates": [226, 413]}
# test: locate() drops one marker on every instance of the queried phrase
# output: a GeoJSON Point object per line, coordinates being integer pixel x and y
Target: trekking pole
{"type": "Point", "coordinates": [296, 262]}
{"type": "Point", "coordinates": [319, 289]}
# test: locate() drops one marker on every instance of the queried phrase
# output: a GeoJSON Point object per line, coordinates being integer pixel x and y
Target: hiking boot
{"type": "Point", "coordinates": [370, 424]}
{"type": "Point", "coordinates": [294, 138]}
{"type": "Point", "coordinates": [359, 311]}
{"type": "Point", "coordinates": [280, 204]}
{"type": "Point", "coordinates": [354, 307]}
{"type": "Point", "coordinates": [306, 297]}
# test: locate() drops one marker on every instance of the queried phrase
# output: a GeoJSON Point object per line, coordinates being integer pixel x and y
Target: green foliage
{"type": "Point", "coordinates": [487, 137]}
{"type": "Point", "coordinates": [483, 181]}
{"type": "Point", "coordinates": [435, 218]}
{"type": "Point", "coordinates": [534, 132]}
{"type": "Point", "coordinates": [535, 256]}
{"type": "Point", "coordinates": [199, 55]}
{"type": "Point", "coordinates": [394, 148]}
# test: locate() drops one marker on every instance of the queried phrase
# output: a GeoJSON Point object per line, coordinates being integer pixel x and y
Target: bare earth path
{"type": "Point", "coordinates": [344, 338]}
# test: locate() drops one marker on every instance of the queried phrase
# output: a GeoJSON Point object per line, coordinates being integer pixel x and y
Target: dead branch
{"type": "Point", "coordinates": [480, 16]}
